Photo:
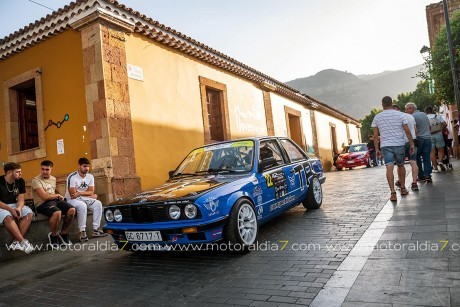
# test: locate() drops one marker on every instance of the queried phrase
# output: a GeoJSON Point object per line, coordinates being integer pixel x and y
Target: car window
{"type": "Point", "coordinates": [357, 148]}
{"type": "Point", "coordinates": [235, 156]}
{"type": "Point", "coordinates": [269, 149]}
{"type": "Point", "coordinates": [294, 153]}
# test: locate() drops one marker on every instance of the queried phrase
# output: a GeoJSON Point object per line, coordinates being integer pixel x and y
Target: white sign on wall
{"type": "Point", "coordinates": [60, 146]}
{"type": "Point", "coordinates": [135, 72]}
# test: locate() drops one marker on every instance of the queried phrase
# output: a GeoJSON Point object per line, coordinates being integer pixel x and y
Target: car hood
{"type": "Point", "coordinates": [190, 187]}
{"type": "Point", "coordinates": [352, 155]}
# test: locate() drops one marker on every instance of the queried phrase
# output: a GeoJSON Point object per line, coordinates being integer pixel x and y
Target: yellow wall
{"type": "Point", "coordinates": [60, 58]}
{"type": "Point", "coordinates": [324, 137]}
{"type": "Point", "coordinates": [166, 107]}
{"type": "Point", "coordinates": [279, 118]}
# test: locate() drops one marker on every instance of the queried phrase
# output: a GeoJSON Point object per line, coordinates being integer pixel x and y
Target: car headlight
{"type": "Point", "coordinates": [191, 211]}
{"type": "Point", "coordinates": [361, 156]}
{"type": "Point", "coordinates": [109, 215]}
{"type": "Point", "coordinates": [174, 212]}
{"type": "Point", "coordinates": [117, 215]}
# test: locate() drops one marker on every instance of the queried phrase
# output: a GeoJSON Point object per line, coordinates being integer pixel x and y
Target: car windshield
{"type": "Point", "coordinates": [356, 148]}
{"type": "Point", "coordinates": [228, 157]}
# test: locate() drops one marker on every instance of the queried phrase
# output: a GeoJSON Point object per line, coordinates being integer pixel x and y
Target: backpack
{"type": "Point", "coordinates": [435, 126]}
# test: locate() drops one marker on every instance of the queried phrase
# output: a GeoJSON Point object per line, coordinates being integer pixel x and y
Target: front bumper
{"type": "Point", "coordinates": [185, 233]}
{"type": "Point", "coordinates": [352, 163]}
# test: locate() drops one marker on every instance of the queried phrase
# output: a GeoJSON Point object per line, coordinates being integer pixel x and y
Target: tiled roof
{"type": "Point", "coordinates": [60, 20]}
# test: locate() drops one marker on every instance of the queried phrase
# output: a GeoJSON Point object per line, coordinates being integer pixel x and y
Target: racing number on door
{"type": "Point", "coordinates": [268, 177]}
{"type": "Point", "coordinates": [305, 169]}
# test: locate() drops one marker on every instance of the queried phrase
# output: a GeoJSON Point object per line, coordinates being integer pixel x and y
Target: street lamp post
{"type": "Point", "coordinates": [425, 51]}
{"type": "Point", "coordinates": [451, 55]}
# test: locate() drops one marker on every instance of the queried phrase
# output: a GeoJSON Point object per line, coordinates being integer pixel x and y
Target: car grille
{"type": "Point", "coordinates": [144, 213]}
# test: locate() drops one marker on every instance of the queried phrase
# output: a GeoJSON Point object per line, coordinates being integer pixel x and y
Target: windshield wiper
{"type": "Point", "coordinates": [218, 170]}
{"type": "Point", "coordinates": [185, 174]}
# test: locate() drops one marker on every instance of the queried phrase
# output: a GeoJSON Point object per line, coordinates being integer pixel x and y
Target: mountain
{"type": "Point", "coordinates": [357, 95]}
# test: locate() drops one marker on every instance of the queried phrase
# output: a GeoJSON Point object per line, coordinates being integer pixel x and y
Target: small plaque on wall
{"type": "Point", "coordinates": [135, 72]}
{"type": "Point", "coordinates": [60, 146]}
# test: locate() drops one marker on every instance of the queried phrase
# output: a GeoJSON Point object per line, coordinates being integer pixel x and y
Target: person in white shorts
{"type": "Point", "coordinates": [80, 194]}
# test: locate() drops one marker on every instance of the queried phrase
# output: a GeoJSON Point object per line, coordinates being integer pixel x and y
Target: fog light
{"type": "Point", "coordinates": [189, 230]}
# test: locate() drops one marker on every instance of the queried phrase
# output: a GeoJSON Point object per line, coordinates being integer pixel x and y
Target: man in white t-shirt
{"type": "Point", "coordinates": [412, 157]}
{"type": "Point", "coordinates": [392, 126]}
{"type": "Point", "coordinates": [80, 194]}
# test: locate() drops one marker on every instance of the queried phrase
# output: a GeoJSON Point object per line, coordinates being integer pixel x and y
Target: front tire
{"type": "Point", "coordinates": [314, 197]}
{"type": "Point", "coordinates": [242, 229]}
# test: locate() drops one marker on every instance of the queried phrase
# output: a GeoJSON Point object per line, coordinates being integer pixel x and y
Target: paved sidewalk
{"type": "Point", "coordinates": [410, 254]}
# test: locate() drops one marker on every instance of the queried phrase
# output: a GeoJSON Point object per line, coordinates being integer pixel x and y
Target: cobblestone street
{"type": "Point", "coordinates": [298, 253]}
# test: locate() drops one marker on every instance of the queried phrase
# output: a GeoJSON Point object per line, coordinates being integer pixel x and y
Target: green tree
{"type": "Point", "coordinates": [440, 61]}
{"type": "Point", "coordinates": [366, 122]}
{"type": "Point", "coordinates": [421, 97]}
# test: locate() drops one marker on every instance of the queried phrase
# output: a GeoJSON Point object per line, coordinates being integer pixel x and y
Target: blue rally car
{"type": "Point", "coordinates": [222, 191]}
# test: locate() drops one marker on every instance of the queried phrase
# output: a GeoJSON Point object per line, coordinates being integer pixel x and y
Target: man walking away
{"type": "Point", "coordinates": [411, 157]}
{"type": "Point", "coordinates": [392, 126]}
{"type": "Point", "coordinates": [423, 142]}
{"type": "Point", "coordinates": [437, 125]}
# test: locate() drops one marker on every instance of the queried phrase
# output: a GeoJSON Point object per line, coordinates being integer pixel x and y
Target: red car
{"type": "Point", "coordinates": [353, 156]}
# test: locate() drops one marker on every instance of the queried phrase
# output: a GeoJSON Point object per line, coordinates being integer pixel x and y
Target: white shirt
{"type": "Point", "coordinates": [411, 124]}
{"type": "Point", "coordinates": [82, 184]}
{"type": "Point", "coordinates": [390, 124]}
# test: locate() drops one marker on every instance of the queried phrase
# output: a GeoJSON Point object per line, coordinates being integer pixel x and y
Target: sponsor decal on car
{"type": "Point", "coordinates": [211, 204]}
{"type": "Point", "coordinates": [281, 203]}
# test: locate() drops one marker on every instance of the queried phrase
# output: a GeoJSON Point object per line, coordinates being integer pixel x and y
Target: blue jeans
{"type": "Point", "coordinates": [423, 153]}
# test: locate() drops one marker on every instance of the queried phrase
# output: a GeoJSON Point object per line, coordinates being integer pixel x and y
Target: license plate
{"type": "Point", "coordinates": [146, 236]}
{"type": "Point", "coordinates": [351, 162]}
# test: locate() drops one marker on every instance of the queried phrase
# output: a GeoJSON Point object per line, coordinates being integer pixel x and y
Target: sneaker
{"type": "Point", "coordinates": [404, 191]}
{"type": "Point", "coordinates": [398, 184]}
{"type": "Point", "coordinates": [65, 239]}
{"type": "Point", "coordinates": [414, 186]}
{"type": "Point", "coordinates": [54, 241]}
{"type": "Point", "coordinates": [98, 233]}
{"type": "Point", "coordinates": [26, 247]}
{"type": "Point", "coordinates": [450, 166]}
{"type": "Point", "coordinates": [428, 179]}
{"type": "Point", "coordinates": [442, 167]}
{"type": "Point", "coordinates": [83, 236]}
{"type": "Point", "coordinates": [15, 245]}
{"type": "Point", "coordinates": [421, 179]}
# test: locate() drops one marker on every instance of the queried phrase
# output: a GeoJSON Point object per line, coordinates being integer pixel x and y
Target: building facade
{"type": "Point", "coordinates": [96, 79]}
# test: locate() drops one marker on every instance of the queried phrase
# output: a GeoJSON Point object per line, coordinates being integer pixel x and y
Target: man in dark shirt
{"type": "Point", "coordinates": [14, 215]}
{"type": "Point", "coordinates": [371, 149]}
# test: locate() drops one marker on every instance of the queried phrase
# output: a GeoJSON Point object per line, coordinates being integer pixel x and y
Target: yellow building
{"type": "Point", "coordinates": [99, 80]}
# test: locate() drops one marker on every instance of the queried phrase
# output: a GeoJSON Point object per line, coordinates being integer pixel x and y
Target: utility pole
{"type": "Point", "coordinates": [451, 56]}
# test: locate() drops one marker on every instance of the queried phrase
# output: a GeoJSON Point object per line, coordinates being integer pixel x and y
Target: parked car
{"type": "Point", "coordinates": [222, 191]}
{"type": "Point", "coordinates": [353, 156]}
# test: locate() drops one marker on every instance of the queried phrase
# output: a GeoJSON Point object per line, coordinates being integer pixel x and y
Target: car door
{"type": "Point", "coordinates": [298, 170]}
{"type": "Point", "coordinates": [272, 180]}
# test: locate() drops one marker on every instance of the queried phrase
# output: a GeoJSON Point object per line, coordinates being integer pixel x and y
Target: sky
{"type": "Point", "coordinates": [285, 39]}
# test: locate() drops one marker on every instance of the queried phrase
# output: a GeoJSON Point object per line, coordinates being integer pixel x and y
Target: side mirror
{"type": "Point", "coordinates": [171, 173]}
{"type": "Point", "coordinates": [266, 163]}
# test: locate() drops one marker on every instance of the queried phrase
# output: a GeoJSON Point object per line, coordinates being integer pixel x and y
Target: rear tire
{"type": "Point", "coordinates": [243, 228]}
{"type": "Point", "coordinates": [314, 197]}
